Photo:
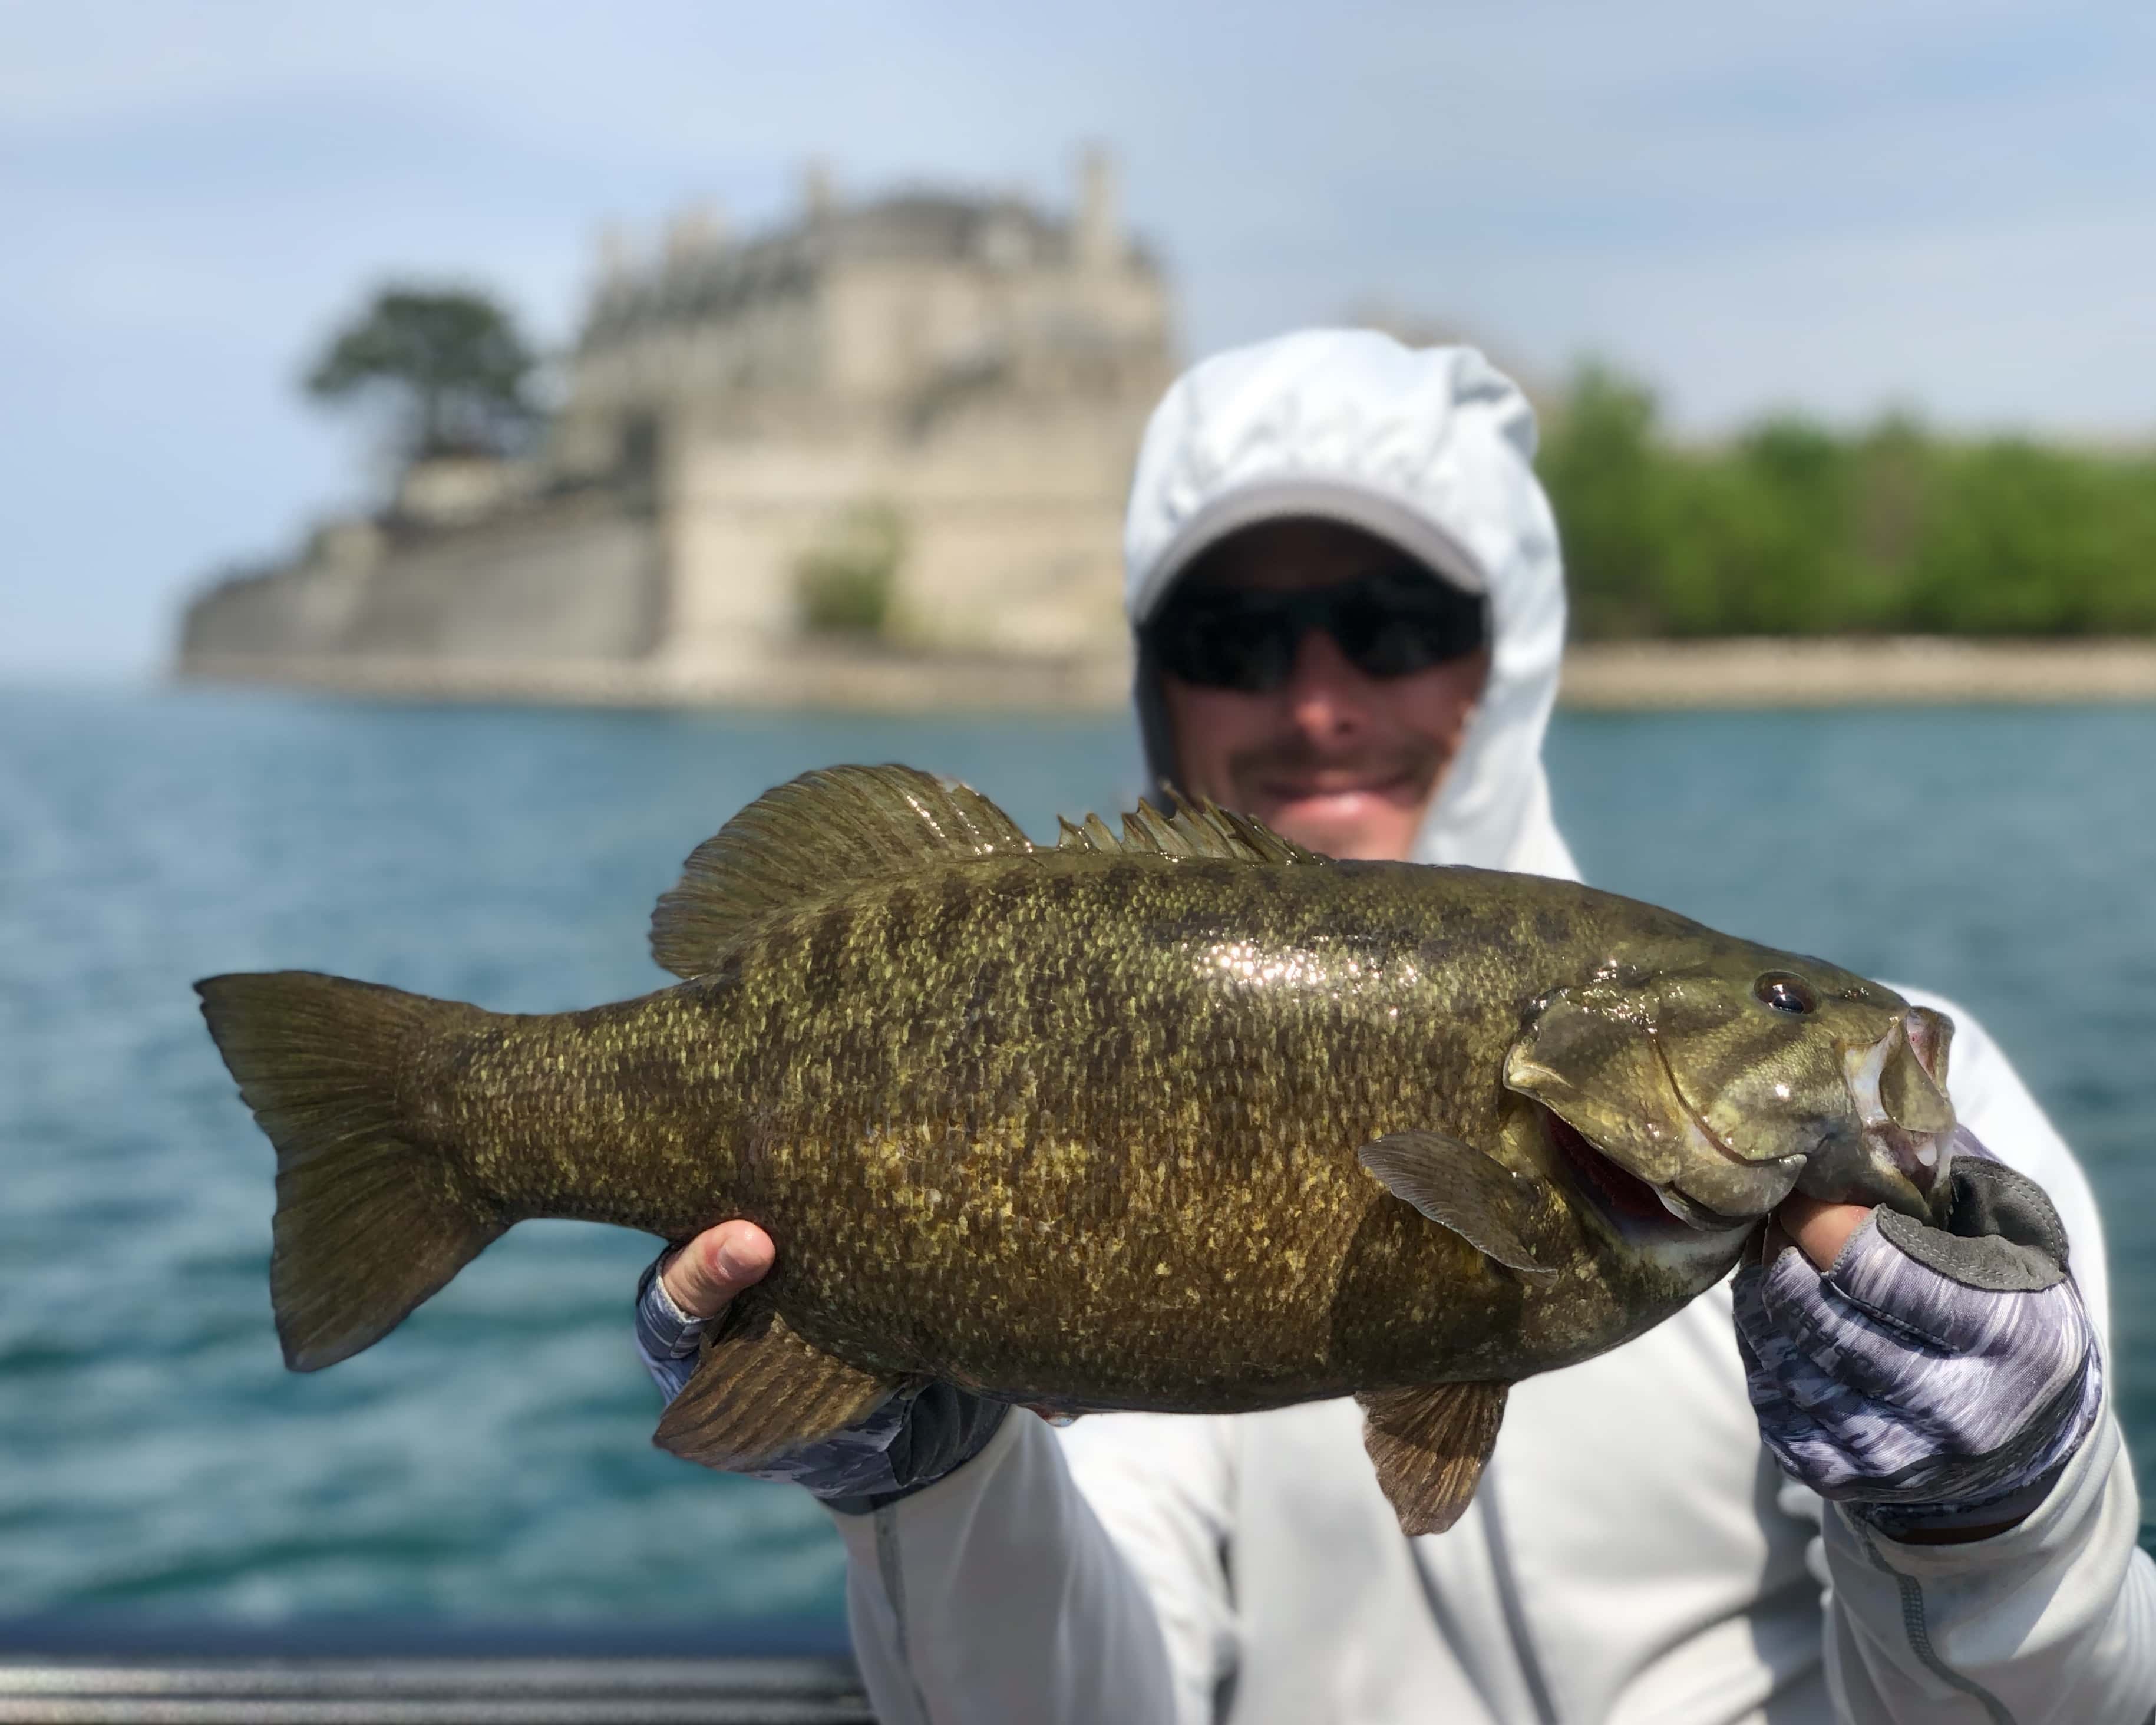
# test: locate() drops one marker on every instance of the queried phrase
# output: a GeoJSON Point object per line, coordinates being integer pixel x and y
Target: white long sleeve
{"type": "Point", "coordinates": [996, 1595]}
{"type": "Point", "coordinates": [2054, 1621]}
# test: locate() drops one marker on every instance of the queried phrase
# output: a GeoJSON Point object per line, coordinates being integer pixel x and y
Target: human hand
{"type": "Point", "coordinates": [1936, 1379]}
{"type": "Point", "coordinates": [704, 1276]}
{"type": "Point", "coordinates": [912, 1440]}
{"type": "Point", "coordinates": [689, 1286]}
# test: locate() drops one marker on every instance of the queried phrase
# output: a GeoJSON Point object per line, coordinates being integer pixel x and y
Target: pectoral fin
{"type": "Point", "coordinates": [759, 1388]}
{"type": "Point", "coordinates": [1457, 1187]}
{"type": "Point", "coordinates": [1429, 1445]}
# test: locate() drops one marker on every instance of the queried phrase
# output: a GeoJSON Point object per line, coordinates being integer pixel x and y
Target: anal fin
{"type": "Point", "coordinates": [760, 1388]}
{"type": "Point", "coordinates": [1429, 1445]}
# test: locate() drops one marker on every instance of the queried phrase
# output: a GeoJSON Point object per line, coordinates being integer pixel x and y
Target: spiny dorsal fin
{"type": "Point", "coordinates": [837, 825]}
{"type": "Point", "coordinates": [1194, 830]}
{"type": "Point", "coordinates": [845, 823]}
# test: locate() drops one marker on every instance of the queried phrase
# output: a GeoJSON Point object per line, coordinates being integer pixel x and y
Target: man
{"type": "Point", "coordinates": [1344, 582]}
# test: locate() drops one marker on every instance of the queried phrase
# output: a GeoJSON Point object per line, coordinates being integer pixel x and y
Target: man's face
{"type": "Point", "coordinates": [1334, 758]}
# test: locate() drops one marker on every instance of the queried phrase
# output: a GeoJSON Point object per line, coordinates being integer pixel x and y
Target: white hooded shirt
{"type": "Point", "coordinates": [1633, 1556]}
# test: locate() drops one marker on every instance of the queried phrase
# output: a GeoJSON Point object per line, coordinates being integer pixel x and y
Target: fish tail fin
{"type": "Point", "coordinates": [374, 1212]}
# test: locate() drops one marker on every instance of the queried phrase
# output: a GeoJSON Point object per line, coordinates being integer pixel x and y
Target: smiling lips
{"type": "Point", "coordinates": [1295, 769]}
{"type": "Point", "coordinates": [1402, 785]}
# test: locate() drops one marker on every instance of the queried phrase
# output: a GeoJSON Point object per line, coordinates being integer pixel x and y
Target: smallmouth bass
{"type": "Point", "coordinates": [1190, 1119]}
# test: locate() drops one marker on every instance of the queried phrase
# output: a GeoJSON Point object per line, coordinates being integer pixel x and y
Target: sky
{"type": "Point", "coordinates": [1837, 207]}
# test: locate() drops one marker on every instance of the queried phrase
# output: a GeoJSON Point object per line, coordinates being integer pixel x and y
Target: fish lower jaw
{"type": "Point", "coordinates": [1696, 1216]}
{"type": "Point", "coordinates": [1643, 1212]}
{"type": "Point", "coordinates": [1920, 1158]}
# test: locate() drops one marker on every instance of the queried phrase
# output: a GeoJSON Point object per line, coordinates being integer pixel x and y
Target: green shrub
{"type": "Point", "coordinates": [844, 581]}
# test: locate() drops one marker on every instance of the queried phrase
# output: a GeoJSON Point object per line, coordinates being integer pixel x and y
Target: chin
{"type": "Point", "coordinates": [1381, 834]}
{"type": "Point", "coordinates": [1365, 848]}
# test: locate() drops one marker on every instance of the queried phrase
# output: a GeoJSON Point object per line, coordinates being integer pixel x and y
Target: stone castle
{"type": "Point", "coordinates": [941, 393]}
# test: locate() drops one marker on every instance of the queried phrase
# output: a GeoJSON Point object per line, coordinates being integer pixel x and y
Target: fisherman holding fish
{"type": "Point", "coordinates": [1344, 584]}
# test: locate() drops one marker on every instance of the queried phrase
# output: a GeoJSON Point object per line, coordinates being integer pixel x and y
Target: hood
{"type": "Point", "coordinates": [1431, 448]}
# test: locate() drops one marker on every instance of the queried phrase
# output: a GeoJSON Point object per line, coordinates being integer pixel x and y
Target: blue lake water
{"type": "Point", "coordinates": [492, 1459]}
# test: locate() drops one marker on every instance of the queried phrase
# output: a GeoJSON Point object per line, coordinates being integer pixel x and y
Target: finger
{"type": "Point", "coordinates": [1819, 1230]}
{"type": "Point", "coordinates": [715, 1265]}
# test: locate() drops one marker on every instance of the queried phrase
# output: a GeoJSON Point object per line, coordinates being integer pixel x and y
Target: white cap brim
{"type": "Point", "coordinates": [1376, 512]}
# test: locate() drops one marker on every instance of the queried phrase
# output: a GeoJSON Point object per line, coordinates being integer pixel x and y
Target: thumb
{"type": "Point", "coordinates": [1819, 1230]}
{"type": "Point", "coordinates": [715, 1265]}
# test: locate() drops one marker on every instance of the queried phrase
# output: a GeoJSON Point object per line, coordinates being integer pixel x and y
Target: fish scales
{"type": "Point", "coordinates": [1193, 1122]}
{"type": "Point", "coordinates": [916, 1122]}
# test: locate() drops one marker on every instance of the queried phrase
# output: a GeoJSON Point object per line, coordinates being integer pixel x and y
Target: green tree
{"type": "Point", "coordinates": [450, 360]}
{"type": "Point", "coordinates": [1793, 528]}
{"type": "Point", "coordinates": [1608, 485]}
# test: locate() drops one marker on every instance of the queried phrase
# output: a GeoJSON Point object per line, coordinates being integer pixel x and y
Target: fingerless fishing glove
{"type": "Point", "coordinates": [909, 1442]}
{"type": "Point", "coordinates": [1933, 1378]}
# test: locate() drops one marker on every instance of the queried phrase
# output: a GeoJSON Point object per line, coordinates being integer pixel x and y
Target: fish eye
{"type": "Point", "coordinates": [1785, 993]}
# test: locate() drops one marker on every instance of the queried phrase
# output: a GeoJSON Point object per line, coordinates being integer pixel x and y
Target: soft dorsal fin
{"type": "Point", "coordinates": [1193, 829]}
{"type": "Point", "coordinates": [835, 824]}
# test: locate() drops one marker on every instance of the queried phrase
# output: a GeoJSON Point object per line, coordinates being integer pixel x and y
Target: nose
{"type": "Point", "coordinates": [1327, 696]}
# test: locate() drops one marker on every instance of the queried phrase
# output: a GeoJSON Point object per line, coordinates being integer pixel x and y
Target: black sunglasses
{"type": "Point", "coordinates": [1390, 623]}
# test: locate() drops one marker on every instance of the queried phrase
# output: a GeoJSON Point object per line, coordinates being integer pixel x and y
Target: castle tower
{"type": "Point", "coordinates": [1097, 239]}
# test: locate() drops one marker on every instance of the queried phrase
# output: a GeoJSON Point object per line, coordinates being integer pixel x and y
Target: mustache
{"type": "Point", "coordinates": [1297, 758]}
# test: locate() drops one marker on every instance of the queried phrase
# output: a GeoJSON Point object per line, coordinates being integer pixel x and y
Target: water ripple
{"type": "Point", "coordinates": [495, 1461]}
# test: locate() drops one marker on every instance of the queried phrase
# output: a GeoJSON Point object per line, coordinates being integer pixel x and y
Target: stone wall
{"type": "Point", "coordinates": [575, 579]}
{"type": "Point", "coordinates": [566, 579]}
{"type": "Point", "coordinates": [1013, 513]}
{"type": "Point", "coordinates": [300, 609]}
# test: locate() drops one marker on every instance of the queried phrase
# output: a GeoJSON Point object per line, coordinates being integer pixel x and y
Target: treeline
{"type": "Point", "coordinates": [1793, 529]}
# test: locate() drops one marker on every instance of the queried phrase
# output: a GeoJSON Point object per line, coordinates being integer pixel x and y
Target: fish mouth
{"type": "Point", "coordinates": [1919, 1154]}
{"type": "Point", "coordinates": [1634, 1207]}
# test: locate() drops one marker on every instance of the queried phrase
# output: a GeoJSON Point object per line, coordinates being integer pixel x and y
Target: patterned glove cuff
{"type": "Point", "coordinates": [943, 1428]}
{"type": "Point", "coordinates": [664, 1331]}
{"type": "Point", "coordinates": [2034, 1484]}
{"type": "Point", "coordinates": [1898, 1521]}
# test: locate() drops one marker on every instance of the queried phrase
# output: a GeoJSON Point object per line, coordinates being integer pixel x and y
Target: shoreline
{"type": "Point", "coordinates": [1598, 676]}
{"type": "Point", "coordinates": [1906, 671]}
